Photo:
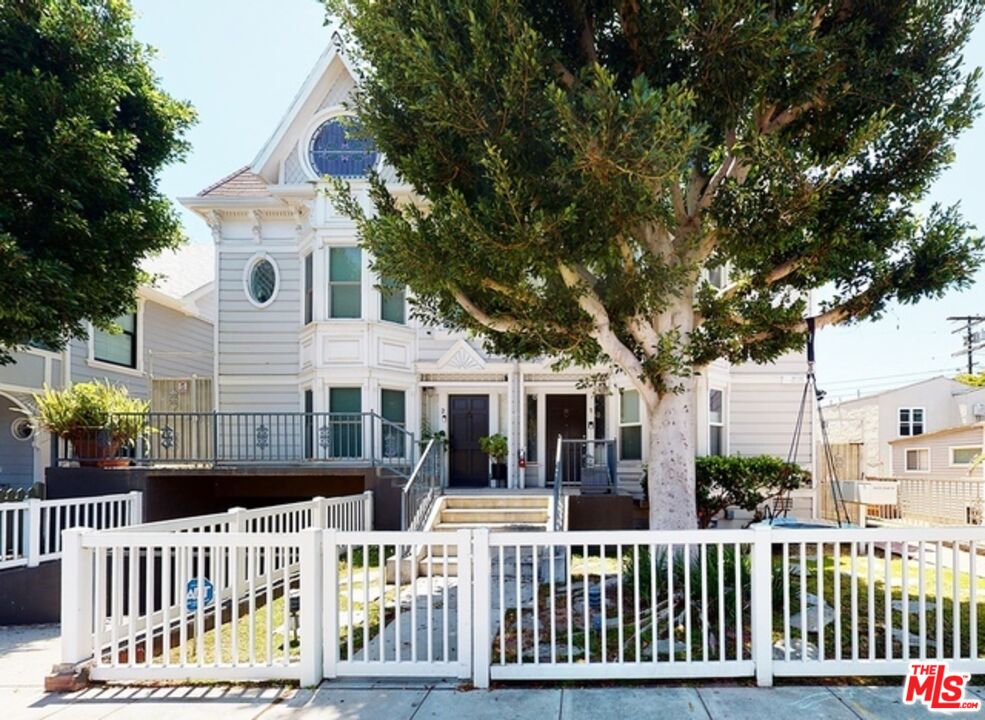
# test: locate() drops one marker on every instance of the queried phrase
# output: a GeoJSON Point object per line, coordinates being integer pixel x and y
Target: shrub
{"type": "Point", "coordinates": [745, 482]}
{"type": "Point", "coordinates": [91, 406]}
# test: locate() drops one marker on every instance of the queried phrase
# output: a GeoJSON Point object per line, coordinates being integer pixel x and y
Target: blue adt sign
{"type": "Point", "coordinates": [191, 594]}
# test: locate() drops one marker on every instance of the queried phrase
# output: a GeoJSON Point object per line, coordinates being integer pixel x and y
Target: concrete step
{"type": "Point", "coordinates": [500, 526]}
{"type": "Point", "coordinates": [455, 502]}
{"type": "Point", "coordinates": [522, 515]}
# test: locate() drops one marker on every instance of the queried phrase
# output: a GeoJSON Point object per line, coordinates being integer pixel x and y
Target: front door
{"type": "Point", "coordinates": [565, 417]}
{"type": "Point", "coordinates": [468, 420]}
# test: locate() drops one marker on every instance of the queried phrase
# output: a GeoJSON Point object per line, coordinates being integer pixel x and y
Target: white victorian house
{"type": "Point", "coordinates": [303, 324]}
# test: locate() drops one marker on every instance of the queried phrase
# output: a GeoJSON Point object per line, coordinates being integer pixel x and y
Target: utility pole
{"type": "Point", "coordinates": [973, 339]}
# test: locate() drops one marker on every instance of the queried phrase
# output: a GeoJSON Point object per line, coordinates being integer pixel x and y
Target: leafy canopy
{"type": "Point", "coordinates": [577, 164]}
{"type": "Point", "coordinates": [973, 380]}
{"type": "Point", "coordinates": [84, 131]}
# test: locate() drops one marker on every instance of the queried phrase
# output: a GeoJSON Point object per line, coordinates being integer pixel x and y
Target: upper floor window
{"type": "Point", "coordinates": [716, 422]}
{"type": "Point", "coordinates": [333, 151]}
{"type": "Point", "coordinates": [118, 348]}
{"type": "Point", "coordinates": [344, 282]}
{"type": "Point", "coordinates": [392, 301]}
{"type": "Point", "coordinates": [911, 421]}
{"type": "Point", "coordinates": [717, 276]}
{"type": "Point", "coordinates": [309, 288]}
{"type": "Point", "coordinates": [261, 279]}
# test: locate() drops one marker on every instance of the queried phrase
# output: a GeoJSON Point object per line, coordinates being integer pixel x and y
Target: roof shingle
{"type": "Point", "coordinates": [241, 183]}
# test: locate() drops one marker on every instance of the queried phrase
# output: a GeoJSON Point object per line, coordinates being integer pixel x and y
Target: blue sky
{"type": "Point", "coordinates": [240, 64]}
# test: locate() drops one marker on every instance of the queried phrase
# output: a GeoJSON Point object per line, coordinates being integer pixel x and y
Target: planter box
{"type": "Point", "coordinates": [870, 492]}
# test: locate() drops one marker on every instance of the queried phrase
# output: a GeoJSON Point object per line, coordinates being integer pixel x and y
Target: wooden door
{"type": "Point", "coordinates": [468, 420]}
{"type": "Point", "coordinates": [566, 416]}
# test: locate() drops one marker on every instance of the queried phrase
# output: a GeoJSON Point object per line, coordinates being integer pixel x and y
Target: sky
{"type": "Point", "coordinates": [240, 63]}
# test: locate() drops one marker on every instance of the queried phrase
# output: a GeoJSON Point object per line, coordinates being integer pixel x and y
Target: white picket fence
{"type": "Point", "coordinates": [31, 530]}
{"type": "Point", "coordinates": [514, 606]}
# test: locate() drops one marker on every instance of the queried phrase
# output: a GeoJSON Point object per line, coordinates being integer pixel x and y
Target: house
{"type": "Point", "coordinates": [304, 326]}
{"type": "Point", "coordinates": [872, 423]}
{"type": "Point", "coordinates": [164, 354]}
{"type": "Point", "coordinates": [948, 454]}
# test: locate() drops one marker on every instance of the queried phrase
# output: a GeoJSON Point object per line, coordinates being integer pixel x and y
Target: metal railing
{"type": "Point", "coordinates": [251, 438]}
{"type": "Point", "coordinates": [423, 488]}
{"type": "Point", "coordinates": [589, 465]}
{"type": "Point", "coordinates": [558, 500]}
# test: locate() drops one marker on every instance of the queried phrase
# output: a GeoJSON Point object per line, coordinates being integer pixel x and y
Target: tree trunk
{"type": "Point", "coordinates": [670, 463]}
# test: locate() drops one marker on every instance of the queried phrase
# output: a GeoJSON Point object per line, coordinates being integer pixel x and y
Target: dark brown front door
{"type": "Point", "coordinates": [565, 417]}
{"type": "Point", "coordinates": [468, 420]}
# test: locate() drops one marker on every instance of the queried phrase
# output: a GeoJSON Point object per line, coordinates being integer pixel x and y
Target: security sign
{"type": "Point", "coordinates": [191, 594]}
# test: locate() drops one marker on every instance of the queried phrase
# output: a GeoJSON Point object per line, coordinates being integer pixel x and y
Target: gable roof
{"type": "Point", "coordinates": [183, 270]}
{"type": "Point", "coordinates": [240, 183]}
{"type": "Point", "coordinates": [938, 433]}
{"type": "Point", "coordinates": [873, 396]}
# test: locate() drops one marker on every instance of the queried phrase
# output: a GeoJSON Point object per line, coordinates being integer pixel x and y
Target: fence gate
{"type": "Point", "coordinates": [398, 604]}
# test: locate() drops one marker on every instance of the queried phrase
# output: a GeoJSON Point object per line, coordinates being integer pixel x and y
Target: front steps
{"type": "Point", "coordinates": [498, 512]}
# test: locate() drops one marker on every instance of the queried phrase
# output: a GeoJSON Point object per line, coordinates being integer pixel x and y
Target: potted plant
{"type": "Point", "coordinates": [98, 418]}
{"type": "Point", "coordinates": [497, 448]}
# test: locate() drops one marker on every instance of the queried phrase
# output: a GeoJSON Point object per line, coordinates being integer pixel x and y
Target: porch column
{"type": "Point", "coordinates": [512, 427]}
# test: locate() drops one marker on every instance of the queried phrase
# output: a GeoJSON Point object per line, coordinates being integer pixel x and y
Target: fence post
{"type": "Point", "coordinates": [762, 604]}
{"type": "Point", "coordinates": [330, 600]}
{"type": "Point", "coordinates": [368, 510]}
{"type": "Point", "coordinates": [76, 600]}
{"type": "Point", "coordinates": [312, 611]}
{"type": "Point", "coordinates": [236, 519]}
{"type": "Point", "coordinates": [319, 513]}
{"type": "Point", "coordinates": [136, 507]}
{"type": "Point", "coordinates": [31, 532]}
{"type": "Point", "coordinates": [481, 600]}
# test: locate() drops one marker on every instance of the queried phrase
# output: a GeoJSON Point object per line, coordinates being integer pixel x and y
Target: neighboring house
{"type": "Point", "coordinates": [303, 324]}
{"type": "Point", "coordinates": [873, 422]}
{"type": "Point", "coordinates": [164, 353]}
{"type": "Point", "coordinates": [948, 454]}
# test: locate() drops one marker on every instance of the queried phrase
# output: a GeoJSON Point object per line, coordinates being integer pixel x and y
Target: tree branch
{"type": "Point", "coordinates": [607, 339]}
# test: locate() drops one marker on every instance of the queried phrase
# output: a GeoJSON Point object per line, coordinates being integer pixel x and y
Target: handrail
{"type": "Point", "coordinates": [424, 485]}
{"type": "Point", "coordinates": [558, 500]}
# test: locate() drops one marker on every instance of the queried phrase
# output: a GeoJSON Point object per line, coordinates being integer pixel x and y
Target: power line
{"type": "Point", "coordinates": [851, 381]}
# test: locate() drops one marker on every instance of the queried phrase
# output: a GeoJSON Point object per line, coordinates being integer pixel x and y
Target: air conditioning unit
{"type": "Point", "coordinates": [978, 410]}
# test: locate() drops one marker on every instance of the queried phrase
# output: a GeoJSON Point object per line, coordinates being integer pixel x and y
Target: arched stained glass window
{"type": "Point", "coordinates": [333, 152]}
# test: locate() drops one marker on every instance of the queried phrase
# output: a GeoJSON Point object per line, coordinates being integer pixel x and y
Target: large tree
{"type": "Point", "coordinates": [84, 131]}
{"type": "Point", "coordinates": [578, 164]}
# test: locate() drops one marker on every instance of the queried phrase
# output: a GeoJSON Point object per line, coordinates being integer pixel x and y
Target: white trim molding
{"type": "Point", "coordinates": [251, 264]}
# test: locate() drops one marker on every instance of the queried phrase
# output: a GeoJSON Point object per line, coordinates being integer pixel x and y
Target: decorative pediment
{"type": "Point", "coordinates": [461, 356]}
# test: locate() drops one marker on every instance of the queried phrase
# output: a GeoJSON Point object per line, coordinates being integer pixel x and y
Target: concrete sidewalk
{"type": "Point", "coordinates": [26, 654]}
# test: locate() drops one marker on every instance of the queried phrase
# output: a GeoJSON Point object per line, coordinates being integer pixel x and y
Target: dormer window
{"type": "Point", "coordinates": [334, 152]}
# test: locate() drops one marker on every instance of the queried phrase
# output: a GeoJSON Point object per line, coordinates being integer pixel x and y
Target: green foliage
{"type": "Point", "coordinates": [580, 163]}
{"type": "Point", "coordinates": [745, 482]}
{"type": "Point", "coordinates": [84, 131]}
{"type": "Point", "coordinates": [92, 406]}
{"type": "Point", "coordinates": [971, 379]}
{"type": "Point", "coordinates": [495, 446]}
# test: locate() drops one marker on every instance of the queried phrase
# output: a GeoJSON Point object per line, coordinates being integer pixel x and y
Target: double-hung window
{"type": "Point", "coordinates": [716, 422]}
{"type": "Point", "coordinates": [392, 301]}
{"type": "Point", "coordinates": [911, 421]}
{"type": "Point", "coordinates": [118, 348]}
{"type": "Point", "coordinates": [345, 282]}
{"type": "Point", "coordinates": [630, 426]}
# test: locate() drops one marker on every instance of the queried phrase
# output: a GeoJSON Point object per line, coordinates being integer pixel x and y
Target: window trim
{"type": "Point", "coordinates": [911, 408]}
{"type": "Point", "coordinates": [638, 423]}
{"type": "Point", "coordinates": [248, 271]}
{"type": "Point", "coordinates": [108, 366]}
{"type": "Point", "coordinates": [908, 450]}
{"type": "Point", "coordinates": [722, 424]}
{"type": "Point", "coordinates": [950, 454]}
{"type": "Point", "coordinates": [329, 283]}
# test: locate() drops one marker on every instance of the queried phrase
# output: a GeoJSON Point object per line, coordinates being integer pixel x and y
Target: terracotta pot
{"type": "Point", "coordinates": [93, 447]}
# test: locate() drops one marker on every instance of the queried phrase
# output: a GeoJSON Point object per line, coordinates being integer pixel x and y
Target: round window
{"type": "Point", "coordinates": [21, 429]}
{"type": "Point", "coordinates": [261, 281]}
{"type": "Point", "coordinates": [334, 152]}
